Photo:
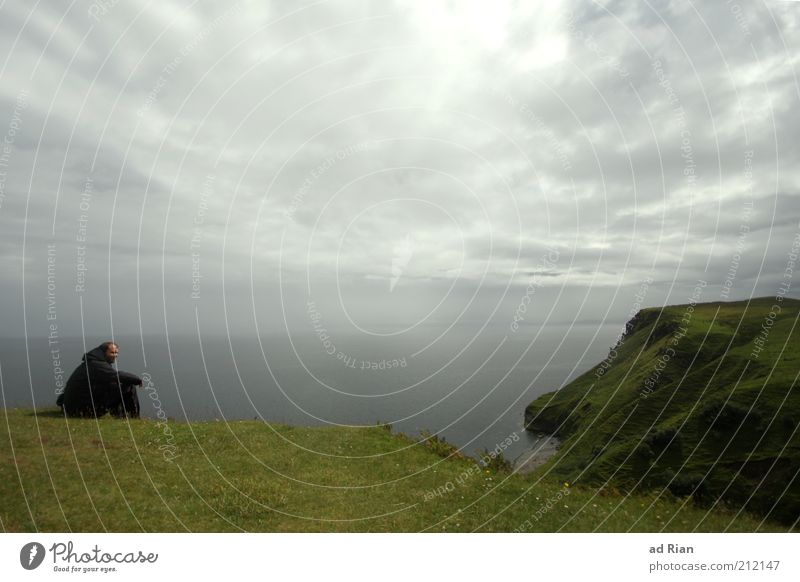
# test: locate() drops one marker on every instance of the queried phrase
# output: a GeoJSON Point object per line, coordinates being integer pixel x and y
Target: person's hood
{"type": "Point", "coordinates": [98, 353]}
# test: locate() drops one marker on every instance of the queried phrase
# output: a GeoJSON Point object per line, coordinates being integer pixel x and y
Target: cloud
{"type": "Point", "coordinates": [627, 136]}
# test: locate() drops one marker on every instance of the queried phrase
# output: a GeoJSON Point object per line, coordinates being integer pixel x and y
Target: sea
{"type": "Point", "coordinates": [470, 389]}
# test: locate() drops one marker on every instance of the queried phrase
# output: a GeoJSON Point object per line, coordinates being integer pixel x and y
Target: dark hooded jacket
{"type": "Point", "coordinates": [97, 387]}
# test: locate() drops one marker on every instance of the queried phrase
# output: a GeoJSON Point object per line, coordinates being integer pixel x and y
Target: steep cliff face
{"type": "Point", "coordinates": [538, 421]}
{"type": "Point", "coordinates": [700, 399]}
{"type": "Point", "coordinates": [555, 413]}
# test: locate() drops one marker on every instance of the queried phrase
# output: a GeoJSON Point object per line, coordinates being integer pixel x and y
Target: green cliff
{"type": "Point", "coordinates": [697, 399]}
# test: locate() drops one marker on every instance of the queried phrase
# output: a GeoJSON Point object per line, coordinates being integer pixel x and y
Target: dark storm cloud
{"type": "Point", "coordinates": [380, 152]}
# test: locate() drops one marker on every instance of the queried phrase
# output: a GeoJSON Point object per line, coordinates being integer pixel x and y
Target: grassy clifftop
{"type": "Point", "coordinates": [701, 400]}
{"type": "Point", "coordinates": [113, 475]}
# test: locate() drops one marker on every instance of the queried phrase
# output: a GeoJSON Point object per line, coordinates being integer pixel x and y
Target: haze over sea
{"type": "Point", "coordinates": [470, 389]}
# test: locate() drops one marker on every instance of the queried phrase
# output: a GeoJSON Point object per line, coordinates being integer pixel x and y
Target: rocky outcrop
{"type": "Point", "coordinates": [538, 421]}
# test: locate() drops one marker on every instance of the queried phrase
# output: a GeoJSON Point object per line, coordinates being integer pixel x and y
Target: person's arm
{"type": "Point", "coordinates": [106, 373]}
{"type": "Point", "coordinates": [126, 378]}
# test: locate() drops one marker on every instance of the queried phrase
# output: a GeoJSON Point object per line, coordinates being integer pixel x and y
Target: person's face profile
{"type": "Point", "coordinates": [112, 352]}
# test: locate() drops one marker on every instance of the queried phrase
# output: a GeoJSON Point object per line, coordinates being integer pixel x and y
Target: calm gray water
{"type": "Point", "coordinates": [473, 395]}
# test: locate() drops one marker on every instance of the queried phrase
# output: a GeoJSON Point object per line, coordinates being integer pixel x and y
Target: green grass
{"type": "Point", "coordinates": [109, 475]}
{"type": "Point", "coordinates": [717, 422]}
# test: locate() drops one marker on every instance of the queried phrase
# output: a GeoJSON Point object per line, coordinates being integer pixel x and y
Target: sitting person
{"type": "Point", "coordinates": [97, 387]}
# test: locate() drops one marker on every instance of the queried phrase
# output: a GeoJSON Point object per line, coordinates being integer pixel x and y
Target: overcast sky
{"type": "Point", "coordinates": [396, 163]}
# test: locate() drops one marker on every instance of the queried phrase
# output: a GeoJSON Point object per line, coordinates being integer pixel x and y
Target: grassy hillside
{"type": "Point", "coordinates": [86, 475]}
{"type": "Point", "coordinates": [700, 400]}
